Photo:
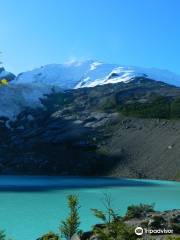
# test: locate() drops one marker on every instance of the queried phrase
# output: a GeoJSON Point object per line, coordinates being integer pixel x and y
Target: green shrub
{"type": "Point", "coordinates": [176, 228]}
{"type": "Point", "coordinates": [113, 226]}
{"type": "Point", "coordinates": [54, 101]}
{"type": "Point", "coordinates": [157, 222]}
{"type": "Point", "coordinates": [158, 107]}
{"type": "Point", "coordinates": [144, 224]}
{"type": "Point", "coordinates": [109, 104]}
{"type": "Point", "coordinates": [49, 236]}
{"type": "Point", "coordinates": [138, 211]}
{"type": "Point", "coordinates": [115, 230]}
{"type": "Point", "coordinates": [172, 238]}
{"type": "Point", "coordinates": [2, 235]}
{"type": "Point", "coordinates": [175, 109]}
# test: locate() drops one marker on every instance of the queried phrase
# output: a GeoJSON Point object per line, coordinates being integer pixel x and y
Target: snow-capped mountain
{"type": "Point", "coordinates": [65, 76]}
{"type": "Point", "coordinates": [29, 87]}
{"type": "Point", "coordinates": [92, 73]}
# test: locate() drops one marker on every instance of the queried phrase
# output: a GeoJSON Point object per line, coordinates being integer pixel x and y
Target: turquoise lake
{"type": "Point", "coordinates": [32, 206]}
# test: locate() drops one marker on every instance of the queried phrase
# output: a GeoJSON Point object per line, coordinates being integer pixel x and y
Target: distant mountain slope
{"type": "Point", "coordinates": [85, 132]}
{"type": "Point", "coordinates": [128, 129]}
{"type": "Point", "coordinates": [92, 73]}
{"type": "Point", "coordinates": [29, 87]}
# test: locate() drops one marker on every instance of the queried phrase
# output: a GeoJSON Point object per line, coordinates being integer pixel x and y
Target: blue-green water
{"type": "Point", "coordinates": [31, 206]}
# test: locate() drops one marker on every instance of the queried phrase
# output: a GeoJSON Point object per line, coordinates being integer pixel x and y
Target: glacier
{"type": "Point", "coordinates": [29, 87]}
{"type": "Point", "coordinates": [92, 73]}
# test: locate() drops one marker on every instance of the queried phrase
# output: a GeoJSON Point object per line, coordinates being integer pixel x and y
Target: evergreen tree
{"type": "Point", "coordinates": [70, 226]}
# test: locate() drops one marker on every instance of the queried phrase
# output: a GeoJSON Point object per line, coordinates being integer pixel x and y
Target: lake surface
{"type": "Point", "coordinates": [31, 206]}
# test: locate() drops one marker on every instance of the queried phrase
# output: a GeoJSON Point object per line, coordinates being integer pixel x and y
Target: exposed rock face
{"type": "Point", "coordinates": [82, 132]}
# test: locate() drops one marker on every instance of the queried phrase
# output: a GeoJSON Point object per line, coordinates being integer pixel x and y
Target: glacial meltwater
{"type": "Point", "coordinates": [33, 206]}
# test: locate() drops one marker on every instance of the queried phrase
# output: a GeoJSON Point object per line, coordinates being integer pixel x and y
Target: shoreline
{"type": "Point", "coordinates": [45, 183]}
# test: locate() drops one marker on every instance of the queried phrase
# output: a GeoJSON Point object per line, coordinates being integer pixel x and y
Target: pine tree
{"type": "Point", "coordinates": [70, 226]}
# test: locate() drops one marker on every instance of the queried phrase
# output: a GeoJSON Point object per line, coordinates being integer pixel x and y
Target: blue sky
{"type": "Point", "coordinates": [129, 32]}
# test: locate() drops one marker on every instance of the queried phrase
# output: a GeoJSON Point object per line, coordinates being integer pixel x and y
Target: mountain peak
{"type": "Point", "coordinates": [78, 74]}
{"type": "Point", "coordinates": [29, 87]}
